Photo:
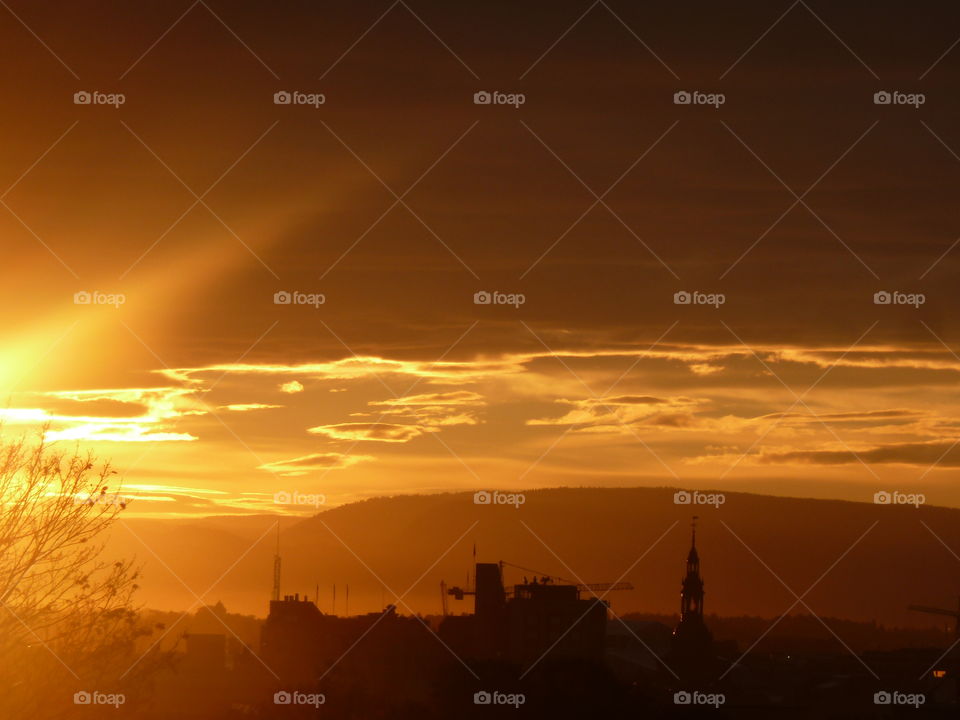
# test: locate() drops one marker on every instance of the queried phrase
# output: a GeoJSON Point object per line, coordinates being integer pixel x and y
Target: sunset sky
{"type": "Point", "coordinates": [399, 198]}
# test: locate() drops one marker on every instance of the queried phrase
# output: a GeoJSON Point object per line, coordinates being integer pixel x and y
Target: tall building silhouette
{"type": "Point", "coordinates": [692, 652]}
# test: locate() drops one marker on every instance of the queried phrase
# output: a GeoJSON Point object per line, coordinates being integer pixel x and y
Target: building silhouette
{"type": "Point", "coordinates": [526, 621]}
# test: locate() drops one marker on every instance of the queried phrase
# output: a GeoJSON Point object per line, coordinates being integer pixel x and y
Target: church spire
{"type": "Point", "coordinates": [691, 595]}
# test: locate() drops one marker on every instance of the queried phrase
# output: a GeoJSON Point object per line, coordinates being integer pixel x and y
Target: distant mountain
{"type": "Point", "coordinates": [865, 562]}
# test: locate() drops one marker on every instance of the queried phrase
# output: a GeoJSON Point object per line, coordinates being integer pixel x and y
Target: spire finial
{"type": "Point", "coordinates": [693, 533]}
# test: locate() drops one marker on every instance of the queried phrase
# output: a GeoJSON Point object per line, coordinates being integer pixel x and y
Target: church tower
{"type": "Point", "coordinates": [691, 593]}
{"type": "Point", "coordinates": [692, 655]}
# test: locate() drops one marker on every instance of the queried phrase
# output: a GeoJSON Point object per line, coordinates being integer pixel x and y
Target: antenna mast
{"type": "Point", "coordinates": [276, 567]}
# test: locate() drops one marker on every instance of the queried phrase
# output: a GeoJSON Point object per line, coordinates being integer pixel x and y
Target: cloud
{"type": "Point", "coordinates": [294, 386]}
{"type": "Point", "coordinates": [380, 432]}
{"type": "Point", "coordinates": [246, 407]}
{"type": "Point", "coordinates": [308, 463]}
{"type": "Point", "coordinates": [614, 413]}
{"type": "Point", "coordinates": [112, 415]}
{"type": "Point", "coordinates": [431, 411]}
{"type": "Point", "coordinates": [946, 454]}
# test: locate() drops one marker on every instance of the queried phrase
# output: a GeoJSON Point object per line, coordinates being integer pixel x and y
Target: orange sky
{"type": "Point", "coordinates": [399, 199]}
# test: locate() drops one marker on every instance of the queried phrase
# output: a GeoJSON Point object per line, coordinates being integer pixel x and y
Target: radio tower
{"type": "Point", "coordinates": [276, 567]}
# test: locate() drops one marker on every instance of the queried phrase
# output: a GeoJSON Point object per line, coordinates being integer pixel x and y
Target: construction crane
{"type": "Point", "coordinates": [955, 614]}
{"type": "Point", "coordinates": [458, 592]}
